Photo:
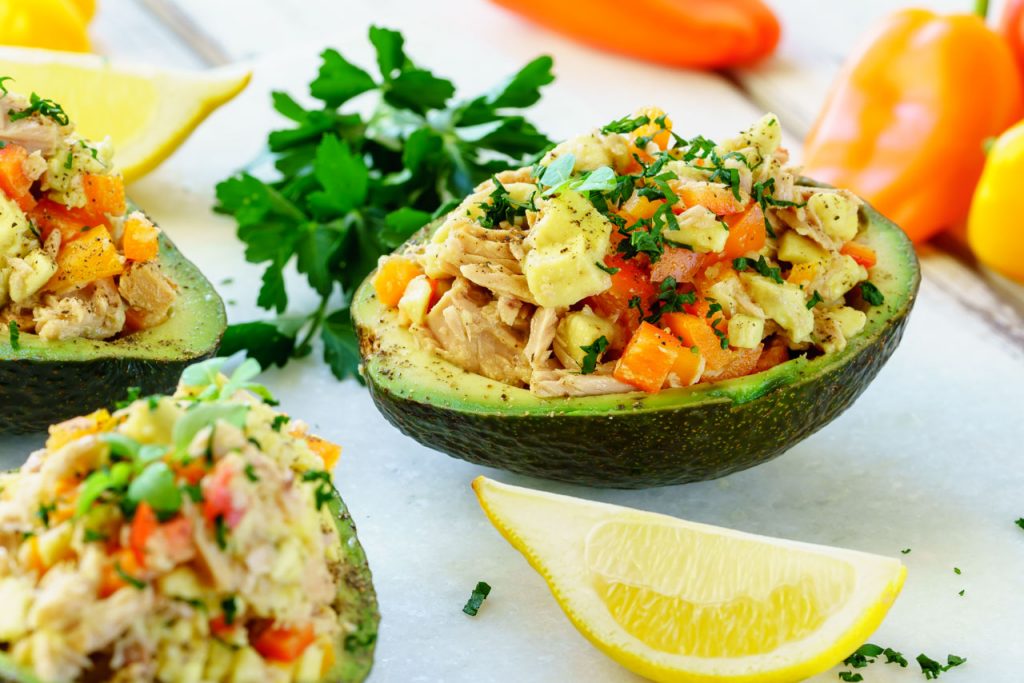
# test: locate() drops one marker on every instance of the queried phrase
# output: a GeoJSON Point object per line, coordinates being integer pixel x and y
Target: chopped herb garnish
{"type": "Point", "coordinates": [558, 171]}
{"type": "Point", "coordinates": [625, 124]}
{"type": "Point", "coordinates": [961, 593]}
{"type": "Point", "coordinates": [863, 656]}
{"type": "Point", "coordinates": [44, 107]}
{"type": "Point", "coordinates": [932, 669]}
{"type": "Point", "coordinates": [502, 208]}
{"type": "Point", "coordinates": [44, 511]}
{"type": "Point", "coordinates": [128, 578]}
{"type": "Point", "coordinates": [669, 300]}
{"type": "Point", "coordinates": [69, 161]}
{"type": "Point", "coordinates": [279, 421]}
{"type": "Point", "coordinates": [92, 536]}
{"type": "Point", "coordinates": [193, 491]}
{"type": "Point", "coordinates": [220, 532]}
{"type": "Point", "coordinates": [850, 676]}
{"type": "Point", "coordinates": [1020, 522]}
{"type": "Point", "coordinates": [894, 657]}
{"type": "Point", "coordinates": [593, 352]}
{"type": "Point", "coordinates": [814, 300]}
{"type": "Point", "coordinates": [155, 485]}
{"type": "Point", "coordinates": [131, 396]}
{"type": "Point", "coordinates": [608, 269]}
{"type": "Point", "coordinates": [476, 599]}
{"type": "Point", "coordinates": [956, 570]}
{"type": "Point", "coordinates": [230, 609]}
{"type": "Point", "coordinates": [905, 551]}
{"type": "Point", "coordinates": [3, 84]}
{"type": "Point", "coordinates": [871, 294]}
{"type": "Point", "coordinates": [15, 333]}
{"type": "Point", "coordinates": [324, 491]}
{"type": "Point", "coordinates": [250, 472]}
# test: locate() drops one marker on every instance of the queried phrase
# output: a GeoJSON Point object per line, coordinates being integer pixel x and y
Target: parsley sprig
{"type": "Point", "coordinates": [349, 188]}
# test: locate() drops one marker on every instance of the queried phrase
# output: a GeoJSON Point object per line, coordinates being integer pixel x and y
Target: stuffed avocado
{"type": "Point", "coordinates": [193, 537]}
{"type": "Point", "coordinates": [93, 298]}
{"type": "Point", "coordinates": [637, 309]}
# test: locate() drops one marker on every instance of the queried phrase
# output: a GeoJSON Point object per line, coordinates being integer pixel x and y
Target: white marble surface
{"type": "Point", "coordinates": [929, 458]}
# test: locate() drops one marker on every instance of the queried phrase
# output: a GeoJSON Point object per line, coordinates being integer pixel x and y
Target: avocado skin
{"type": "Point", "coordinates": [642, 449]}
{"type": "Point", "coordinates": [356, 604]}
{"type": "Point", "coordinates": [47, 382]}
{"type": "Point", "coordinates": [636, 440]}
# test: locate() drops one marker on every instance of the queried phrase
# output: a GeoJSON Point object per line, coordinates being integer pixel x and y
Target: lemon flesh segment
{"type": "Point", "coordinates": [680, 601]}
{"type": "Point", "coordinates": [147, 112]}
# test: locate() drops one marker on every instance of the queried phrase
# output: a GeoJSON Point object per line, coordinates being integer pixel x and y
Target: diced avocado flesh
{"type": "Point", "coordinates": [633, 440]}
{"type": "Point", "coordinates": [43, 382]}
{"type": "Point", "coordinates": [356, 605]}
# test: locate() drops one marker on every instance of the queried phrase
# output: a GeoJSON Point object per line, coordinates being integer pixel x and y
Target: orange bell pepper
{"type": "Point", "coordinates": [13, 181]}
{"type": "Point", "coordinates": [718, 199]}
{"type": "Point", "coordinates": [91, 257]}
{"type": "Point", "coordinates": [144, 524]}
{"type": "Point", "coordinates": [681, 264]}
{"type": "Point", "coordinates": [104, 194]}
{"type": "Point", "coordinates": [141, 241]}
{"type": "Point", "coordinates": [1011, 25]}
{"type": "Point", "coordinates": [392, 277]}
{"type": "Point", "coordinates": [905, 123]}
{"type": "Point", "coordinates": [696, 331]}
{"type": "Point", "coordinates": [862, 254]}
{"type": "Point", "coordinates": [49, 215]}
{"type": "Point", "coordinates": [708, 35]}
{"type": "Point", "coordinates": [746, 233]}
{"type": "Point", "coordinates": [650, 355]}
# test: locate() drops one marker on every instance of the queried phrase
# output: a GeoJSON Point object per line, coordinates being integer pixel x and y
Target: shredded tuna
{"type": "Point", "coordinates": [94, 312]}
{"type": "Point", "coordinates": [553, 383]}
{"type": "Point", "coordinates": [149, 292]}
{"type": "Point", "coordinates": [542, 333]}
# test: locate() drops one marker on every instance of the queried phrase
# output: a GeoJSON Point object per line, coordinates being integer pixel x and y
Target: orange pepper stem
{"type": "Point", "coordinates": [981, 8]}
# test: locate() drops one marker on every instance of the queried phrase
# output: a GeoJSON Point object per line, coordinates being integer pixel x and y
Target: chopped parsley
{"type": "Point", "coordinates": [625, 124]}
{"type": "Point", "coordinates": [669, 300]}
{"type": "Point", "coordinates": [69, 161]}
{"type": "Point", "coordinates": [871, 294]}
{"type": "Point", "coordinates": [502, 208]}
{"type": "Point", "coordinates": [3, 84]}
{"type": "Point", "coordinates": [279, 421]}
{"type": "Point", "coordinates": [814, 300]}
{"type": "Point", "coordinates": [761, 265]}
{"type": "Point", "coordinates": [230, 609]}
{"type": "Point", "coordinates": [250, 472]}
{"type": "Point", "coordinates": [44, 511]}
{"type": "Point", "coordinates": [894, 657]}
{"type": "Point", "coordinates": [723, 340]}
{"type": "Point", "coordinates": [220, 532]}
{"type": "Point", "coordinates": [1020, 522]}
{"type": "Point", "coordinates": [850, 676]}
{"type": "Point", "coordinates": [962, 591]}
{"type": "Point", "coordinates": [905, 551]}
{"type": "Point", "coordinates": [593, 352]}
{"type": "Point", "coordinates": [324, 489]}
{"type": "Point", "coordinates": [42, 106]}
{"type": "Point", "coordinates": [863, 655]}
{"type": "Point", "coordinates": [193, 491]}
{"type": "Point", "coordinates": [476, 599]}
{"type": "Point", "coordinates": [932, 669]}
{"type": "Point", "coordinates": [608, 269]}
{"type": "Point", "coordinates": [93, 536]}
{"type": "Point", "coordinates": [128, 578]}
{"type": "Point", "coordinates": [130, 397]}
{"type": "Point", "coordinates": [12, 329]}
{"type": "Point", "coordinates": [956, 570]}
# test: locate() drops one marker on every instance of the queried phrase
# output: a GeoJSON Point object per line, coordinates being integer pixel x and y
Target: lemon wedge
{"type": "Point", "coordinates": [147, 112]}
{"type": "Point", "coordinates": [677, 601]}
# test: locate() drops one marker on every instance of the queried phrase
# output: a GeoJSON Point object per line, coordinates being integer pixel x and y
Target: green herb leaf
{"type": "Point", "coordinates": [850, 676]}
{"type": "Point", "coordinates": [324, 491]}
{"type": "Point", "coordinates": [220, 532]}
{"type": "Point", "coordinates": [43, 107]}
{"type": "Point", "coordinates": [128, 578]}
{"type": "Point", "coordinates": [894, 657]}
{"type": "Point", "coordinates": [932, 669]}
{"type": "Point", "coordinates": [250, 472]}
{"type": "Point", "coordinates": [339, 80]}
{"type": "Point", "coordinates": [593, 351]}
{"type": "Point", "coordinates": [341, 347]}
{"type": "Point", "coordinates": [871, 294]}
{"type": "Point", "coordinates": [608, 269]}
{"type": "Point", "coordinates": [1020, 522]}
{"type": "Point", "coordinates": [15, 333]}
{"type": "Point", "coordinates": [558, 171]}
{"type": "Point", "coordinates": [814, 300]}
{"type": "Point", "coordinates": [476, 598]}
{"type": "Point", "coordinates": [230, 608]}
{"type": "Point", "coordinates": [155, 485]}
{"type": "Point", "coordinates": [263, 341]}
{"type": "Point", "coordinates": [669, 300]}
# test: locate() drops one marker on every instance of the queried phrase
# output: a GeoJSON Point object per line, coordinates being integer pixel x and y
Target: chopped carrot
{"type": "Point", "coordinates": [802, 272]}
{"type": "Point", "coordinates": [141, 239]}
{"type": "Point", "coordinates": [104, 194]}
{"type": "Point", "coordinates": [91, 257]}
{"type": "Point", "coordinates": [329, 452]}
{"type": "Point", "coordinates": [861, 253]}
{"type": "Point", "coordinates": [746, 232]}
{"type": "Point", "coordinates": [143, 526]}
{"type": "Point", "coordinates": [681, 264]}
{"type": "Point", "coordinates": [13, 180]}
{"type": "Point", "coordinates": [110, 580]}
{"type": "Point", "coordinates": [718, 199]}
{"type": "Point", "coordinates": [696, 331]}
{"type": "Point", "coordinates": [650, 355]}
{"type": "Point", "coordinates": [282, 644]}
{"type": "Point", "coordinates": [72, 223]}
{"type": "Point", "coordinates": [392, 277]}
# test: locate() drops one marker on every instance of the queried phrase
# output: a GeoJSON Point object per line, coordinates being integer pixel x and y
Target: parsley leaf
{"type": "Point", "coordinates": [850, 676]}
{"type": "Point", "coordinates": [608, 269]}
{"type": "Point", "coordinates": [814, 300]}
{"type": "Point", "coordinates": [932, 669]}
{"type": "Point", "coordinates": [15, 335]}
{"type": "Point", "coordinates": [44, 107]}
{"type": "Point", "coordinates": [669, 300]}
{"type": "Point", "coordinates": [871, 294]}
{"type": "Point", "coordinates": [350, 187]}
{"type": "Point", "coordinates": [1020, 522]}
{"type": "Point", "coordinates": [761, 266]}
{"type": "Point", "coordinates": [593, 352]}
{"type": "Point", "coordinates": [502, 208]}
{"type": "Point", "coordinates": [476, 599]}
{"type": "Point", "coordinates": [625, 124]}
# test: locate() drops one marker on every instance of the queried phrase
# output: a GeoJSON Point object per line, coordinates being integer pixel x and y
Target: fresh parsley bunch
{"type": "Point", "coordinates": [350, 189]}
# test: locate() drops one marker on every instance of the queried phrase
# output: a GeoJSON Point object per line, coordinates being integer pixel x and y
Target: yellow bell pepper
{"type": "Point", "coordinates": [50, 24]}
{"type": "Point", "coordinates": [994, 228]}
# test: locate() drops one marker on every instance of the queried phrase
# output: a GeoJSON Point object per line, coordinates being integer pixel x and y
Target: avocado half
{"type": "Point", "coordinates": [43, 382]}
{"type": "Point", "coordinates": [633, 440]}
{"type": "Point", "coordinates": [356, 605]}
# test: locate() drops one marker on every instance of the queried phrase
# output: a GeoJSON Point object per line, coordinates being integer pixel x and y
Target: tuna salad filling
{"type": "Point", "coordinates": [632, 259]}
{"type": "Point", "coordinates": [179, 538]}
{"type": "Point", "coordinates": [74, 262]}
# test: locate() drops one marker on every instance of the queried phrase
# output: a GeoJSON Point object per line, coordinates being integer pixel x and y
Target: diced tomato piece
{"type": "Point", "coordinates": [282, 644]}
{"type": "Point", "coordinates": [861, 253]}
{"type": "Point", "coordinates": [220, 627]}
{"type": "Point", "coordinates": [144, 524]}
{"type": "Point", "coordinates": [49, 215]}
{"type": "Point", "coordinates": [718, 199]}
{"type": "Point", "coordinates": [104, 194]}
{"type": "Point", "coordinates": [392, 277]}
{"type": "Point", "coordinates": [218, 499]}
{"type": "Point", "coordinates": [746, 233]}
{"type": "Point", "coordinates": [696, 331]}
{"type": "Point", "coordinates": [679, 263]}
{"type": "Point", "coordinates": [650, 355]}
{"type": "Point", "coordinates": [13, 181]}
